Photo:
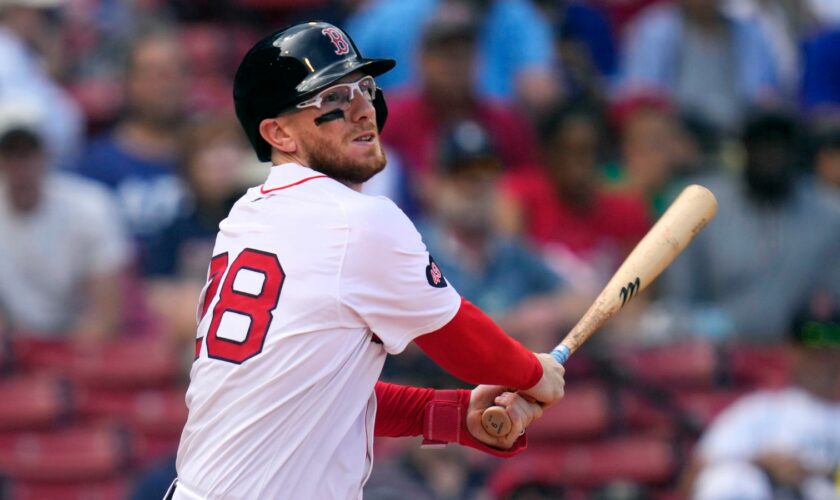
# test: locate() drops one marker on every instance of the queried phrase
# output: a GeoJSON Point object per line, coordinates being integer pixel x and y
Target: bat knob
{"type": "Point", "coordinates": [496, 421]}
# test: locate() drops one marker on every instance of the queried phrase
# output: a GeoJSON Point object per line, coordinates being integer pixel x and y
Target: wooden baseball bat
{"type": "Point", "coordinates": [684, 218]}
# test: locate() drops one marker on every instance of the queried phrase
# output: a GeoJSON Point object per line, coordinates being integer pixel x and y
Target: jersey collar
{"type": "Point", "coordinates": [288, 175]}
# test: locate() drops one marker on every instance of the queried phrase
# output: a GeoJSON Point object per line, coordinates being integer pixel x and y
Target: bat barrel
{"type": "Point", "coordinates": [686, 217]}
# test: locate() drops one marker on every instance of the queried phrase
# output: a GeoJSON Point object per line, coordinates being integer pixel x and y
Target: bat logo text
{"type": "Point", "coordinates": [627, 292]}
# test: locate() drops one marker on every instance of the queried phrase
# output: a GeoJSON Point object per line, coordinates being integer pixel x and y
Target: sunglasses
{"type": "Point", "coordinates": [338, 97]}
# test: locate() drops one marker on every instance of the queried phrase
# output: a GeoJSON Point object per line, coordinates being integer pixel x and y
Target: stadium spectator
{"type": "Point", "coordinates": [583, 230]}
{"type": "Point", "coordinates": [623, 13]}
{"type": "Point", "coordinates": [783, 23]}
{"type": "Point", "coordinates": [138, 158]}
{"type": "Point", "coordinates": [445, 95]}
{"type": "Point", "coordinates": [30, 48]}
{"type": "Point", "coordinates": [500, 274]}
{"type": "Point", "coordinates": [585, 45]}
{"type": "Point", "coordinates": [714, 66]}
{"type": "Point", "coordinates": [826, 12]}
{"type": "Point", "coordinates": [773, 241]}
{"type": "Point", "coordinates": [63, 248]}
{"type": "Point", "coordinates": [423, 474]}
{"type": "Point", "coordinates": [827, 160]}
{"type": "Point", "coordinates": [820, 91]}
{"type": "Point", "coordinates": [515, 50]}
{"type": "Point", "coordinates": [213, 161]}
{"type": "Point", "coordinates": [650, 138]}
{"type": "Point", "coordinates": [781, 443]}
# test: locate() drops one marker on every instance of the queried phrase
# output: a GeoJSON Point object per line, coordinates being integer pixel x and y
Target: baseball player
{"type": "Point", "coordinates": [312, 283]}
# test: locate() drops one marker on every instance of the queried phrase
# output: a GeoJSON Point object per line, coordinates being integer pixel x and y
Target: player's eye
{"type": "Point", "coordinates": [368, 87]}
{"type": "Point", "coordinates": [335, 96]}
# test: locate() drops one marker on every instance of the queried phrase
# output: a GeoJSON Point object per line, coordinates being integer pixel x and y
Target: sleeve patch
{"type": "Point", "coordinates": [434, 275]}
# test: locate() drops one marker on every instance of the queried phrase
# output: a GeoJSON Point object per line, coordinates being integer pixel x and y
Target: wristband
{"type": "Point", "coordinates": [445, 421]}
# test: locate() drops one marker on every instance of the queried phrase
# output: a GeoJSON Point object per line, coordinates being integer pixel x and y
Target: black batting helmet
{"type": "Point", "coordinates": [291, 65]}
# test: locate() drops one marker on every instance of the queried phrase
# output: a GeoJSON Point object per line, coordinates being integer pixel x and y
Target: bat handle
{"type": "Point", "coordinates": [561, 353]}
{"type": "Point", "coordinates": [495, 419]}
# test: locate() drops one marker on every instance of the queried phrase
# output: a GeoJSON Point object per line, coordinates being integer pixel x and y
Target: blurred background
{"type": "Point", "coordinates": [533, 143]}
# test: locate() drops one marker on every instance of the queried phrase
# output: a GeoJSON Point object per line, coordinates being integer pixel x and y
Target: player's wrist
{"type": "Point", "coordinates": [537, 373]}
{"type": "Point", "coordinates": [445, 421]}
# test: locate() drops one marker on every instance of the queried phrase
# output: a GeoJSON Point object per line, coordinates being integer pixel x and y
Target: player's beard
{"type": "Point", "coordinates": [329, 161]}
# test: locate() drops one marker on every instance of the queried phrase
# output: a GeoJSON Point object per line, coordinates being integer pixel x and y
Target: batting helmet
{"type": "Point", "coordinates": [291, 65]}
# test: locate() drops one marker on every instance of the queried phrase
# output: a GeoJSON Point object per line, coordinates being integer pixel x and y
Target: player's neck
{"type": "Point", "coordinates": [280, 158]}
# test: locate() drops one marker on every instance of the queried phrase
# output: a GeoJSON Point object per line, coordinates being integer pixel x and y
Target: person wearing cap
{"type": "Point", "coordinates": [514, 44]}
{"type": "Point", "coordinates": [716, 66]}
{"type": "Point", "coordinates": [744, 275]}
{"type": "Point", "coordinates": [29, 48]}
{"type": "Point", "coordinates": [313, 283]}
{"type": "Point", "coordinates": [137, 159]}
{"type": "Point", "coordinates": [782, 443]}
{"type": "Point", "coordinates": [444, 94]}
{"type": "Point", "coordinates": [582, 229]}
{"type": "Point", "coordinates": [498, 273]}
{"type": "Point", "coordinates": [61, 239]}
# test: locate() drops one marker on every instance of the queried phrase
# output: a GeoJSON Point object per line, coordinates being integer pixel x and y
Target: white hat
{"type": "Point", "coordinates": [17, 114]}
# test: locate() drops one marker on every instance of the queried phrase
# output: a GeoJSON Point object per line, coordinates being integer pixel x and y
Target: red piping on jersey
{"type": "Point", "coordinates": [263, 190]}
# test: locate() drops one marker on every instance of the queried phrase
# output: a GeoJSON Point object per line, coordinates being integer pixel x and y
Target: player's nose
{"type": "Point", "coordinates": [361, 108]}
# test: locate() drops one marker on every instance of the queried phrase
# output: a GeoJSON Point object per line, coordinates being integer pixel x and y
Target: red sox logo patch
{"type": "Point", "coordinates": [434, 275]}
{"type": "Point", "coordinates": [337, 38]}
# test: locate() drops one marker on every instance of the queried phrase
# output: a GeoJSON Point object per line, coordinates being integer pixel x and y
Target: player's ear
{"type": "Point", "coordinates": [273, 131]}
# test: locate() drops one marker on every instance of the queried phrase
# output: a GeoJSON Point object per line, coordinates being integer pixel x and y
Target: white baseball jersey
{"type": "Point", "coordinates": [788, 421]}
{"type": "Point", "coordinates": [308, 277]}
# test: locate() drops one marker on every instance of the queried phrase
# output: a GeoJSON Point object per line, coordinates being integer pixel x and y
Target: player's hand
{"type": "Point", "coordinates": [521, 412]}
{"type": "Point", "coordinates": [550, 388]}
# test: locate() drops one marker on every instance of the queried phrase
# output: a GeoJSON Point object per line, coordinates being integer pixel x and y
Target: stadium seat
{"type": "Point", "coordinates": [638, 412]}
{"type": "Point", "coordinates": [583, 413]}
{"type": "Point", "coordinates": [637, 459]}
{"type": "Point", "coordinates": [74, 454]}
{"type": "Point", "coordinates": [688, 364]}
{"type": "Point", "coordinates": [758, 366]}
{"type": "Point", "coordinates": [32, 401]}
{"type": "Point", "coordinates": [128, 363]}
{"type": "Point", "coordinates": [155, 418]}
{"type": "Point", "coordinates": [704, 406]}
{"type": "Point", "coordinates": [112, 489]}
{"type": "Point", "coordinates": [159, 412]}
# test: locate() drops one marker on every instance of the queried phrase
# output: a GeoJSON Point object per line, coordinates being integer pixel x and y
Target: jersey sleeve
{"type": "Point", "coordinates": [388, 279]}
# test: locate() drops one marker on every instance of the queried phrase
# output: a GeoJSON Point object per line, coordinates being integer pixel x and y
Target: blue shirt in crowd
{"type": "Point", "coordinates": [148, 190]}
{"type": "Point", "coordinates": [512, 273]}
{"type": "Point", "coordinates": [513, 36]}
{"type": "Point", "coordinates": [821, 71]}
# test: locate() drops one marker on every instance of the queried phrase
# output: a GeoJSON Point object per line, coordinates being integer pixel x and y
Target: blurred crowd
{"type": "Point", "coordinates": [533, 143]}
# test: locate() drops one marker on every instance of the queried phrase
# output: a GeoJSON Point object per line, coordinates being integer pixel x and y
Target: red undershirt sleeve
{"type": "Point", "coordinates": [439, 416]}
{"type": "Point", "coordinates": [474, 349]}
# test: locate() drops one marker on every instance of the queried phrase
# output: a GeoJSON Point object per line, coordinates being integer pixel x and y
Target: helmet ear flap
{"type": "Point", "coordinates": [381, 108]}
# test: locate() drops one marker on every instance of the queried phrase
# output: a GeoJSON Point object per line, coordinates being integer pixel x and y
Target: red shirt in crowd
{"type": "Point", "coordinates": [414, 129]}
{"type": "Point", "coordinates": [612, 225]}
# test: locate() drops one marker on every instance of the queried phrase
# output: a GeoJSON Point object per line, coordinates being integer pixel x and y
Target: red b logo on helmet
{"type": "Point", "coordinates": [337, 39]}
